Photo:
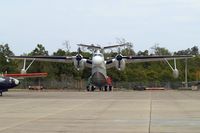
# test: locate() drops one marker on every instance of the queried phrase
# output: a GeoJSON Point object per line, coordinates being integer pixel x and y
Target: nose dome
{"type": "Point", "coordinates": [97, 60]}
{"type": "Point", "coordinates": [16, 81]}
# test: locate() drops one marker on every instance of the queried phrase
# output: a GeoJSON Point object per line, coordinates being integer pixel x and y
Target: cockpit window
{"type": "Point", "coordinates": [98, 55]}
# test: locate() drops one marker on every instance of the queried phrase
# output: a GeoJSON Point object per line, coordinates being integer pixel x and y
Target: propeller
{"type": "Point", "coordinates": [79, 57]}
{"type": "Point", "coordinates": [119, 57]}
{"type": "Point", "coordinates": [119, 50]}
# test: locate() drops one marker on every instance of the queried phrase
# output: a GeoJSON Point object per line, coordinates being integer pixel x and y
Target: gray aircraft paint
{"type": "Point", "coordinates": [99, 74]}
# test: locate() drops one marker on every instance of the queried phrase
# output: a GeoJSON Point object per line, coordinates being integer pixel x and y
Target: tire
{"type": "Point", "coordinates": [93, 88]}
{"type": "Point", "coordinates": [100, 89]}
{"type": "Point", "coordinates": [88, 88]}
{"type": "Point", "coordinates": [106, 88]}
{"type": "Point", "coordinates": [110, 88]}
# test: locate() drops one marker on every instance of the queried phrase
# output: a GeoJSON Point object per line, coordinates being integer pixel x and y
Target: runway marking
{"type": "Point", "coordinates": [42, 117]}
{"type": "Point", "coordinates": [150, 113]}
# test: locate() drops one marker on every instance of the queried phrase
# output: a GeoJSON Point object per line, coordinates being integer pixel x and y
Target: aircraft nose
{"type": "Point", "coordinates": [16, 81]}
{"type": "Point", "coordinates": [97, 60]}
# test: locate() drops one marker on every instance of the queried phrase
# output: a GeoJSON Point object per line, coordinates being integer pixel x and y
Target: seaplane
{"type": "Point", "coordinates": [99, 65]}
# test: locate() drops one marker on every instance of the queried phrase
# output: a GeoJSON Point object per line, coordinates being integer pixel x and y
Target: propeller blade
{"type": "Point", "coordinates": [79, 50]}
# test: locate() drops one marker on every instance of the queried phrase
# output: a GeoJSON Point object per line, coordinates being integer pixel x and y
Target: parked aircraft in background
{"type": "Point", "coordinates": [99, 65]}
{"type": "Point", "coordinates": [7, 81]}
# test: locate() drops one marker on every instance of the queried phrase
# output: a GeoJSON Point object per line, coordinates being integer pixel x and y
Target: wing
{"type": "Point", "coordinates": [61, 59]}
{"type": "Point", "coordinates": [135, 59]}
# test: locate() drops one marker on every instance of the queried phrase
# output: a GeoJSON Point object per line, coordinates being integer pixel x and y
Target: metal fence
{"type": "Point", "coordinates": [81, 84]}
{"type": "Point", "coordinates": [54, 84]}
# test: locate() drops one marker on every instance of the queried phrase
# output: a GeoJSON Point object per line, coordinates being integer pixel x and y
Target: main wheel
{"type": "Point", "coordinates": [1, 93]}
{"type": "Point", "coordinates": [88, 88]}
{"type": "Point", "coordinates": [105, 88]}
{"type": "Point", "coordinates": [92, 88]}
{"type": "Point", "coordinates": [110, 88]}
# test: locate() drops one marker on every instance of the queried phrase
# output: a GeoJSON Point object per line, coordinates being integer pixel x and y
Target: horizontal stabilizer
{"type": "Point", "coordinates": [115, 46]}
{"type": "Point", "coordinates": [92, 46]}
{"type": "Point", "coordinates": [89, 46]}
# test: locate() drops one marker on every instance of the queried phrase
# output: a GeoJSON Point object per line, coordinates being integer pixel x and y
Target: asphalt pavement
{"type": "Point", "coordinates": [164, 111]}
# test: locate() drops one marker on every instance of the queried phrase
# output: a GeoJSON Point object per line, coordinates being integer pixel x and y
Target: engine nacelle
{"type": "Point", "coordinates": [79, 65]}
{"type": "Point", "coordinates": [120, 64]}
{"type": "Point", "coordinates": [175, 73]}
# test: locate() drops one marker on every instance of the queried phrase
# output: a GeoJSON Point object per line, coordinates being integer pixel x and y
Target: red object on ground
{"type": "Point", "coordinates": [27, 75]}
{"type": "Point", "coordinates": [109, 81]}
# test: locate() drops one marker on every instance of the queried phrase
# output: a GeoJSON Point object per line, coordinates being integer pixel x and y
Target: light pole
{"type": "Point", "coordinates": [186, 73]}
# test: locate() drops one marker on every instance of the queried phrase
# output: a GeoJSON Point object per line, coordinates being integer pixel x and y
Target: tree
{"type": "Point", "coordinates": [128, 50]}
{"type": "Point", "coordinates": [60, 70]}
{"type": "Point", "coordinates": [160, 50]}
{"type": "Point", "coordinates": [190, 51]}
{"type": "Point", "coordinates": [6, 66]}
{"type": "Point", "coordinates": [195, 50]}
{"type": "Point", "coordinates": [183, 52]}
{"type": "Point", "coordinates": [5, 50]}
{"type": "Point", "coordinates": [40, 66]}
{"type": "Point", "coordinates": [39, 50]}
{"type": "Point", "coordinates": [67, 46]}
{"type": "Point", "coordinates": [144, 53]}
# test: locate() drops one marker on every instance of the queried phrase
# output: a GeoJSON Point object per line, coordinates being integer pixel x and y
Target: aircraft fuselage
{"type": "Point", "coordinates": [99, 74]}
{"type": "Point", "coordinates": [7, 83]}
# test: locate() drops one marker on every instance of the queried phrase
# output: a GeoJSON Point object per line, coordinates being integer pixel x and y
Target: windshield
{"type": "Point", "coordinates": [98, 55]}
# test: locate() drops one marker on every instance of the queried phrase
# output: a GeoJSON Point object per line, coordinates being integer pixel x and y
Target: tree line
{"type": "Point", "coordinates": [134, 72]}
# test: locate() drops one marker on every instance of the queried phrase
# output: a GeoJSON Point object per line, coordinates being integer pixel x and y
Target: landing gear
{"type": "Point", "coordinates": [1, 93]}
{"type": "Point", "coordinates": [106, 88]}
{"type": "Point", "coordinates": [90, 88]}
{"type": "Point", "coordinates": [110, 88]}
{"type": "Point", "coordinates": [100, 89]}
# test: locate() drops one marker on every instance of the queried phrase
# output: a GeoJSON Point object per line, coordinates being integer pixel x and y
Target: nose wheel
{"type": "Point", "coordinates": [91, 88]}
{"type": "Point", "coordinates": [105, 88]}
{"type": "Point", "coordinates": [110, 88]}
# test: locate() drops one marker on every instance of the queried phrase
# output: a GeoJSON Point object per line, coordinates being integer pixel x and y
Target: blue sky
{"type": "Point", "coordinates": [174, 24]}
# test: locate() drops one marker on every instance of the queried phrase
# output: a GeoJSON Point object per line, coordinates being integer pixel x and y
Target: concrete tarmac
{"type": "Point", "coordinates": [100, 112]}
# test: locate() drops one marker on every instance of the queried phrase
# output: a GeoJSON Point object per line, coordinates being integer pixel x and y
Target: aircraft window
{"type": "Point", "coordinates": [97, 55]}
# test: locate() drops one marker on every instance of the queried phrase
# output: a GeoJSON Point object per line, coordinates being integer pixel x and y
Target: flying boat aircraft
{"type": "Point", "coordinates": [99, 64]}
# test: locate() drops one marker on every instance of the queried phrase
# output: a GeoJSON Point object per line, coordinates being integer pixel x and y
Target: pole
{"type": "Point", "coordinates": [186, 73]}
